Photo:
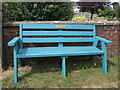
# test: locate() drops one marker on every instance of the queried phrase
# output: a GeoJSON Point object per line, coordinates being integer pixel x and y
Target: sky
{"type": "Point", "coordinates": [115, 0]}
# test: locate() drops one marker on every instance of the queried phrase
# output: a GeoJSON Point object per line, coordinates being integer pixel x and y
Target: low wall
{"type": "Point", "coordinates": [109, 30]}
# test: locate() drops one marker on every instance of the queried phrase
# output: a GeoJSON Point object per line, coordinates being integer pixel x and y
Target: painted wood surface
{"type": "Point", "coordinates": [61, 51]}
{"type": "Point", "coordinates": [58, 51]}
{"type": "Point", "coordinates": [53, 26]}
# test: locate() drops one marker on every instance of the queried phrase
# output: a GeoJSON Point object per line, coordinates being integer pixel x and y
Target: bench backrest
{"type": "Point", "coordinates": [59, 33]}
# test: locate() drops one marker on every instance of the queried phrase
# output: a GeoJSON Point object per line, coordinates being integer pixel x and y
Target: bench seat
{"type": "Point", "coordinates": [58, 51]}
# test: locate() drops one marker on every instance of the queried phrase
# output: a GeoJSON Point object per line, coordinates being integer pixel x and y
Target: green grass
{"type": "Point", "coordinates": [81, 73]}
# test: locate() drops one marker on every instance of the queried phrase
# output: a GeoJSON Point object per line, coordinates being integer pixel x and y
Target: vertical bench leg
{"type": "Point", "coordinates": [15, 70]}
{"type": "Point", "coordinates": [15, 66]}
{"type": "Point", "coordinates": [63, 67]}
{"type": "Point", "coordinates": [20, 62]}
{"type": "Point", "coordinates": [104, 60]}
{"type": "Point", "coordinates": [104, 64]}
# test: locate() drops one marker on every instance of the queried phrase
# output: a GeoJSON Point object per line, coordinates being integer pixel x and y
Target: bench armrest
{"type": "Point", "coordinates": [103, 40]}
{"type": "Point", "coordinates": [13, 41]}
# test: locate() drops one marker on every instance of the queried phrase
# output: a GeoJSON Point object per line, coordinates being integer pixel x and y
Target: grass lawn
{"type": "Point", "coordinates": [81, 73]}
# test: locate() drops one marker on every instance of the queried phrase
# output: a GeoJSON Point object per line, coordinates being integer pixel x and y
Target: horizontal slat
{"type": "Point", "coordinates": [56, 40]}
{"type": "Point", "coordinates": [58, 51]}
{"type": "Point", "coordinates": [53, 26]}
{"type": "Point", "coordinates": [58, 33]}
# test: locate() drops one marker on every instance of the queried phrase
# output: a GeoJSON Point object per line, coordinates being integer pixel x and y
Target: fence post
{"type": "Point", "coordinates": [0, 37]}
{"type": "Point", "coordinates": [0, 45]}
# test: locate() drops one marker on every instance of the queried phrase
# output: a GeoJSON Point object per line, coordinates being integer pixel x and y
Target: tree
{"type": "Point", "coordinates": [117, 13]}
{"type": "Point", "coordinates": [115, 4]}
{"type": "Point", "coordinates": [91, 7]}
{"type": "Point", "coordinates": [107, 13]}
{"type": "Point", "coordinates": [37, 11]}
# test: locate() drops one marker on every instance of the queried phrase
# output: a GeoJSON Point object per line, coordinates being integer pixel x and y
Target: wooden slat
{"type": "Point", "coordinates": [53, 26]}
{"type": "Point", "coordinates": [56, 40]}
{"type": "Point", "coordinates": [58, 51]}
{"type": "Point", "coordinates": [65, 48]}
{"type": "Point", "coordinates": [58, 33]}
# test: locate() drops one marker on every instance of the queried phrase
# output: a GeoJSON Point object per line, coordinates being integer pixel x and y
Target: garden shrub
{"type": "Point", "coordinates": [83, 18]}
{"type": "Point", "coordinates": [107, 13]}
{"type": "Point", "coordinates": [117, 13]}
{"type": "Point", "coordinates": [80, 18]}
{"type": "Point", "coordinates": [37, 11]}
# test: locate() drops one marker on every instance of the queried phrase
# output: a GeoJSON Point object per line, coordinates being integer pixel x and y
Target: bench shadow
{"type": "Point", "coordinates": [44, 65]}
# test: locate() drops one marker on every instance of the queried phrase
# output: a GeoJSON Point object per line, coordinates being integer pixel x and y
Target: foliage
{"type": "Point", "coordinates": [91, 7]}
{"type": "Point", "coordinates": [108, 13]}
{"type": "Point", "coordinates": [80, 18]}
{"type": "Point", "coordinates": [83, 18]}
{"type": "Point", "coordinates": [117, 13]}
{"type": "Point", "coordinates": [115, 4]}
{"type": "Point", "coordinates": [100, 19]}
{"type": "Point", "coordinates": [37, 11]}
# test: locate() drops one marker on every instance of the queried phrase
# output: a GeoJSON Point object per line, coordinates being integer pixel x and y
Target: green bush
{"type": "Point", "coordinates": [84, 18]}
{"type": "Point", "coordinates": [107, 13]}
{"type": "Point", "coordinates": [80, 18]}
{"type": "Point", "coordinates": [37, 11]}
{"type": "Point", "coordinates": [117, 13]}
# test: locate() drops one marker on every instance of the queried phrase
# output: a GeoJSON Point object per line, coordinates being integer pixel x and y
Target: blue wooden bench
{"type": "Point", "coordinates": [87, 34]}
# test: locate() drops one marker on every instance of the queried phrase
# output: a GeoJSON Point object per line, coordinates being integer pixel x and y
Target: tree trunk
{"type": "Point", "coordinates": [91, 16]}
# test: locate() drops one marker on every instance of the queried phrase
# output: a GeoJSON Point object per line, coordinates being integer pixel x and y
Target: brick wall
{"type": "Point", "coordinates": [107, 30]}
{"type": "Point", "coordinates": [110, 32]}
